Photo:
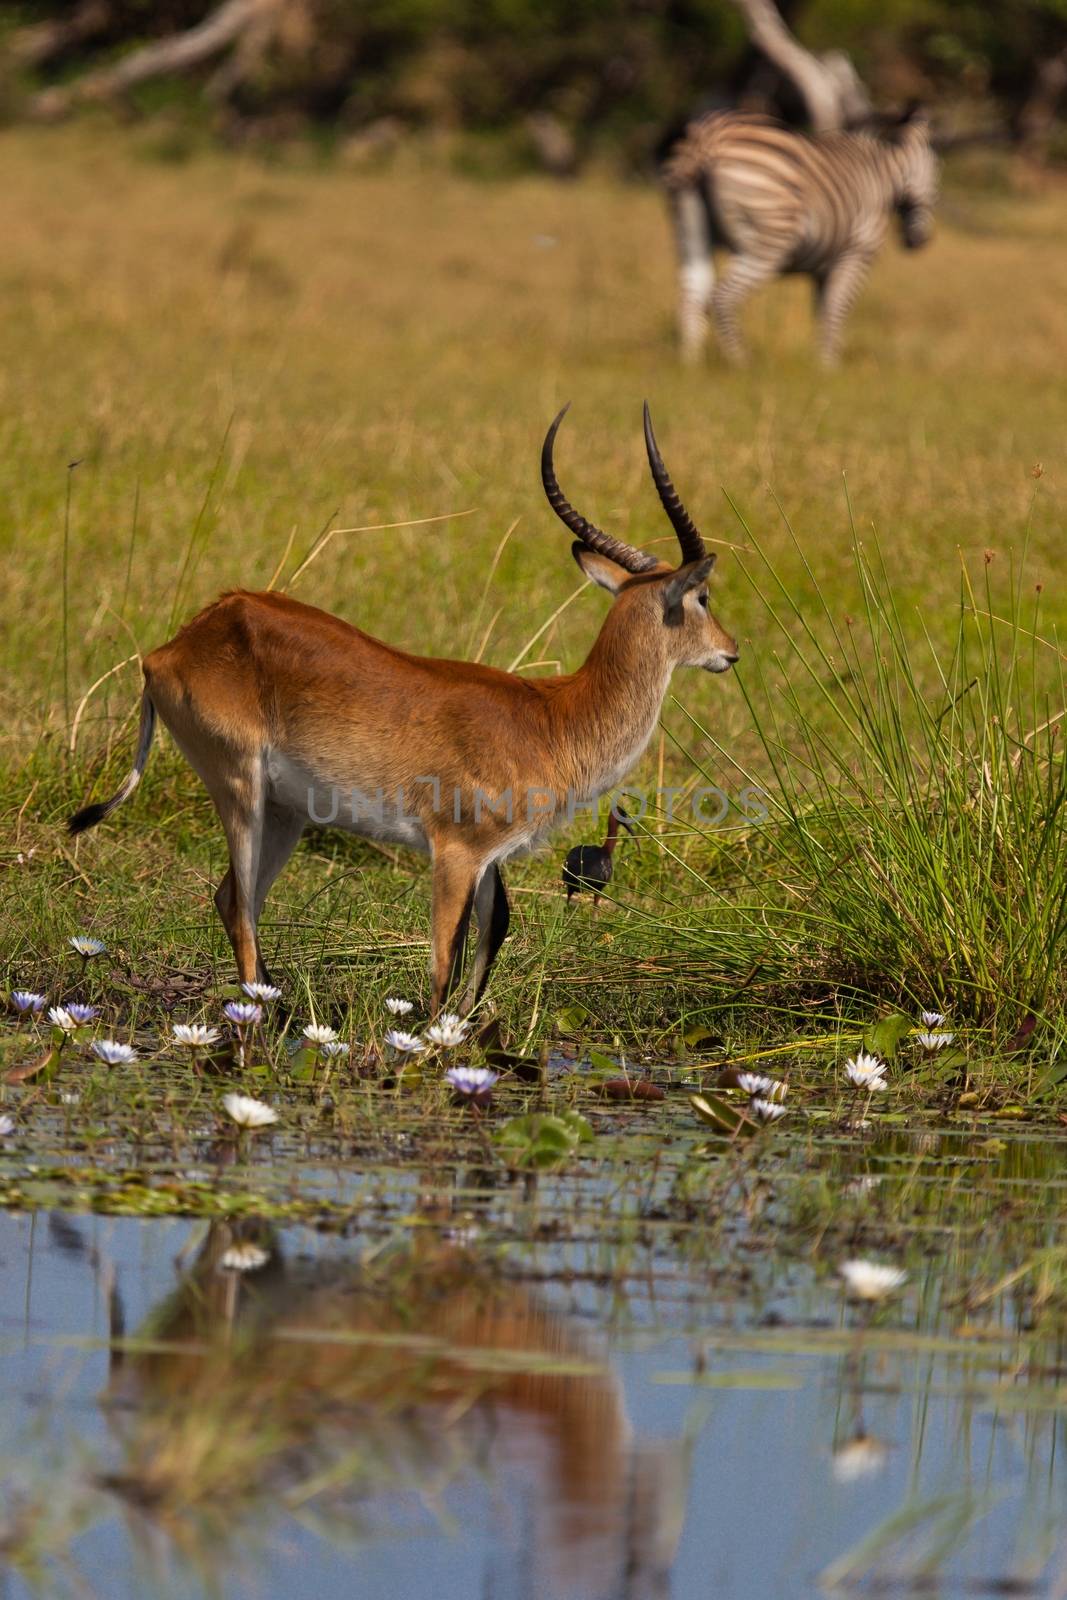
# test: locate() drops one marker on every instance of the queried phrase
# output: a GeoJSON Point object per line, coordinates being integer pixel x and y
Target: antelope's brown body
{"type": "Point", "coordinates": [292, 716]}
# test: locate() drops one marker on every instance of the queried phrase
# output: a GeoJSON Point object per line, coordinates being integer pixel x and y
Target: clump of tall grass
{"type": "Point", "coordinates": [916, 788]}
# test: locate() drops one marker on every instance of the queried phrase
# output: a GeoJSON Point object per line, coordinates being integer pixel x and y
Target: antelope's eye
{"type": "Point", "coordinates": [704, 599]}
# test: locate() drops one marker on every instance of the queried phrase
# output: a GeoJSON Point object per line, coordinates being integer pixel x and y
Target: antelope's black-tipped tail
{"type": "Point", "coordinates": [89, 816]}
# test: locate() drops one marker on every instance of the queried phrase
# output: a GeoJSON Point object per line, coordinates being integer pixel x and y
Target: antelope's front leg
{"type": "Point", "coordinates": [455, 874]}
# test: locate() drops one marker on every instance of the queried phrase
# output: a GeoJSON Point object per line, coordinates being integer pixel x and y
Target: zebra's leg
{"type": "Point", "coordinates": [696, 274]}
{"type": "Point", "coordinates": [745, 273]}
{"type": "Point", "coordinates": [836, 291]}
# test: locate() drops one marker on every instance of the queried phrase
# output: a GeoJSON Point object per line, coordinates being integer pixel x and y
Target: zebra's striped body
{"type": "Point", "coordinates": [783, 202]}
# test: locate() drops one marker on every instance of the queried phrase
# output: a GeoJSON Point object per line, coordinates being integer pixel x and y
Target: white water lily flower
{"type": "Point", "coordinates": [859, 1458]}
{"type": "Point", "coordinates": [25, 1000]}
{"type": "Point", "coordinates": [448, 1031]}
{"type": "Point", "coordinates": [244, 1258]}
{"type": "Point", "coordinates": [757, 1087]}
{"type": "Point", "coordinates": [861, 1068]}
{"type": "Point", "coordinates": [243, 1012]}
{"type": "Point", "coordinates": [765, 1110]}
{"type": "Point", "coordinates": [471, 1080]}
{"type": "Point", "coordinates": [334, 1049]}
{"type": "Point", "coordinates": [87, 947]}
{"type": "Point", "coordinates": [262, 991]}
{"type": "Point", "coordinates": [113, 1053]}
{"type": "Point", "coordinates": [194, 1035]}
{"type": "Point", "coordinates": [932, 1019]}
{"type": "Point", "coordinates": [935, 1041]}
{"type": "Point", "coordinates": [248, 1113]}
{"type": "Point", "coordinates": [398, 1008]}
{"type": "Point", "coordinates": [59, 1018]}
{"type": "Point", "coordinates": [869, 1280]}
{"type": "Point", "coordinates": [858, 1188]}
{"type": "Point", "coordinates": [319, 1033]}
{"type": "Point", "coordinates": [405, 1044]}
{"type": "Point", "coordinates": [7, 1125]}
{"type": "Point", "coordinates": [867, 1084]}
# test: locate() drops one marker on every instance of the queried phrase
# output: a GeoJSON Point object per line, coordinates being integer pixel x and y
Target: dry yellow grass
{"type": "Point", "coordinates": [263, 348]}
{"type": "Point", "coordinates": [391, 345]}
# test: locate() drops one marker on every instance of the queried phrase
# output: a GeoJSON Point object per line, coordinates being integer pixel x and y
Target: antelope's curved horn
{"type": "Point", "coordinates": [682, 523]}
{"type": "Point", "coordinates": [624, 555]}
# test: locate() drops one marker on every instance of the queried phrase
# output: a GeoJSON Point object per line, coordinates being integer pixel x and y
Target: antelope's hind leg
{"type": "Point", "coordinates": [240, 805]}
{"type": "Point", "coordinates": [279, 837]}
{"type": "Point", "coordinates": [493, 913]}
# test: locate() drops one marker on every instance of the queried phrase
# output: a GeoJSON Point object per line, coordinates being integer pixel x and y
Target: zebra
{"type": "Point", "coordinates": [782, 202]}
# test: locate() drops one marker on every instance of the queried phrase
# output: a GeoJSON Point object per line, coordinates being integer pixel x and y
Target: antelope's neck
{"type": "Point", "coordinates": [611, 708]}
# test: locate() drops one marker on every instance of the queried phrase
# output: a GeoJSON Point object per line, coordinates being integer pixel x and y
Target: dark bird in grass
{"type": "Point", "coordinates": [588, 866]}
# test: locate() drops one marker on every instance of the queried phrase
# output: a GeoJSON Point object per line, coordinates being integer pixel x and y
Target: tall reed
{"type": "Point", "coordinates": [916, 789]}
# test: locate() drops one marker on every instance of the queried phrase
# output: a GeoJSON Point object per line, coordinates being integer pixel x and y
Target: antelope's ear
{"type": "Point", "coordinates": [686, 578]}
{"type": "Point", "coordinates": [608, 574]}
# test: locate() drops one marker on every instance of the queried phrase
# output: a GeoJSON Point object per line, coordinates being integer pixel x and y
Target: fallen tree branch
{"type": "Point", "coordinates": [219, 31]}
{"type": "Point", "coordinates": [41, 42]}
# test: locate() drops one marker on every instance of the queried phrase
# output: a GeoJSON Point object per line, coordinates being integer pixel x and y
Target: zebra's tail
{"type": "Point", "coordinates": [674, 134]}
{"type": "Point", "coordinates": [89, 816]}
{"type": "Point", "coordinates": [687, 180]}
{"type": "Point", "coordinates": [671, 137]}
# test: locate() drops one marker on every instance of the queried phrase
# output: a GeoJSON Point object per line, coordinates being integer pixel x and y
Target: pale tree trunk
{"type": "Point", "coordinates": [40, 43]}
{"type": "Point", "coordinates": [828, 85]}
{"type": "Point", "coordinates": [223, 29]}
{"type": "Point", "coordinates": [1037, 118]}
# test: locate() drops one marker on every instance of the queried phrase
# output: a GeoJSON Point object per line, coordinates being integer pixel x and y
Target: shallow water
{"type": "Point", "coordinates": [581, 1386]}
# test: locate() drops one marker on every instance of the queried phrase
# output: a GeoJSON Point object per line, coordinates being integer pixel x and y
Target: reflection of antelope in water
{"type": "Point", "coordinates": [426, 1364]}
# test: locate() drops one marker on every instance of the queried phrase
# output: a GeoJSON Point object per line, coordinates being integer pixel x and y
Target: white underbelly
{"type": "Point", "coordinates": [371, 811]}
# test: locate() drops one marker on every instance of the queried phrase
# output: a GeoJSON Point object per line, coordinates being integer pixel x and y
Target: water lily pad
{"type": "Point", "coordinates": [632, 1089]}
{"type": "Point", "coordinates": [44, 1066]}
{"type": "Point", "coordinates": [526, 1068]}
{"type": "Point", "coordinates": [885, 1037]}
{"type": "Point", "coordinates": [720, 1114]}
{"type": "Point", "coordinates": [701, 1038]}
{"type": "Point", "coordinates": [571, 1018]}
{"type": "Point", "coordinates": [542, 1139]}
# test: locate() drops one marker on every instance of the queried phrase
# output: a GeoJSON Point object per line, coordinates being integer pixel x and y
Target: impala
{"type": "Point", "coordinates": [291, 716]}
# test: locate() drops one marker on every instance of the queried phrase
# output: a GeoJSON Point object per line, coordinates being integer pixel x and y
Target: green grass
{"type": "Point", "coordinates": [916, 802]}
{"type": "Point", "coordinates": [235, 354]}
